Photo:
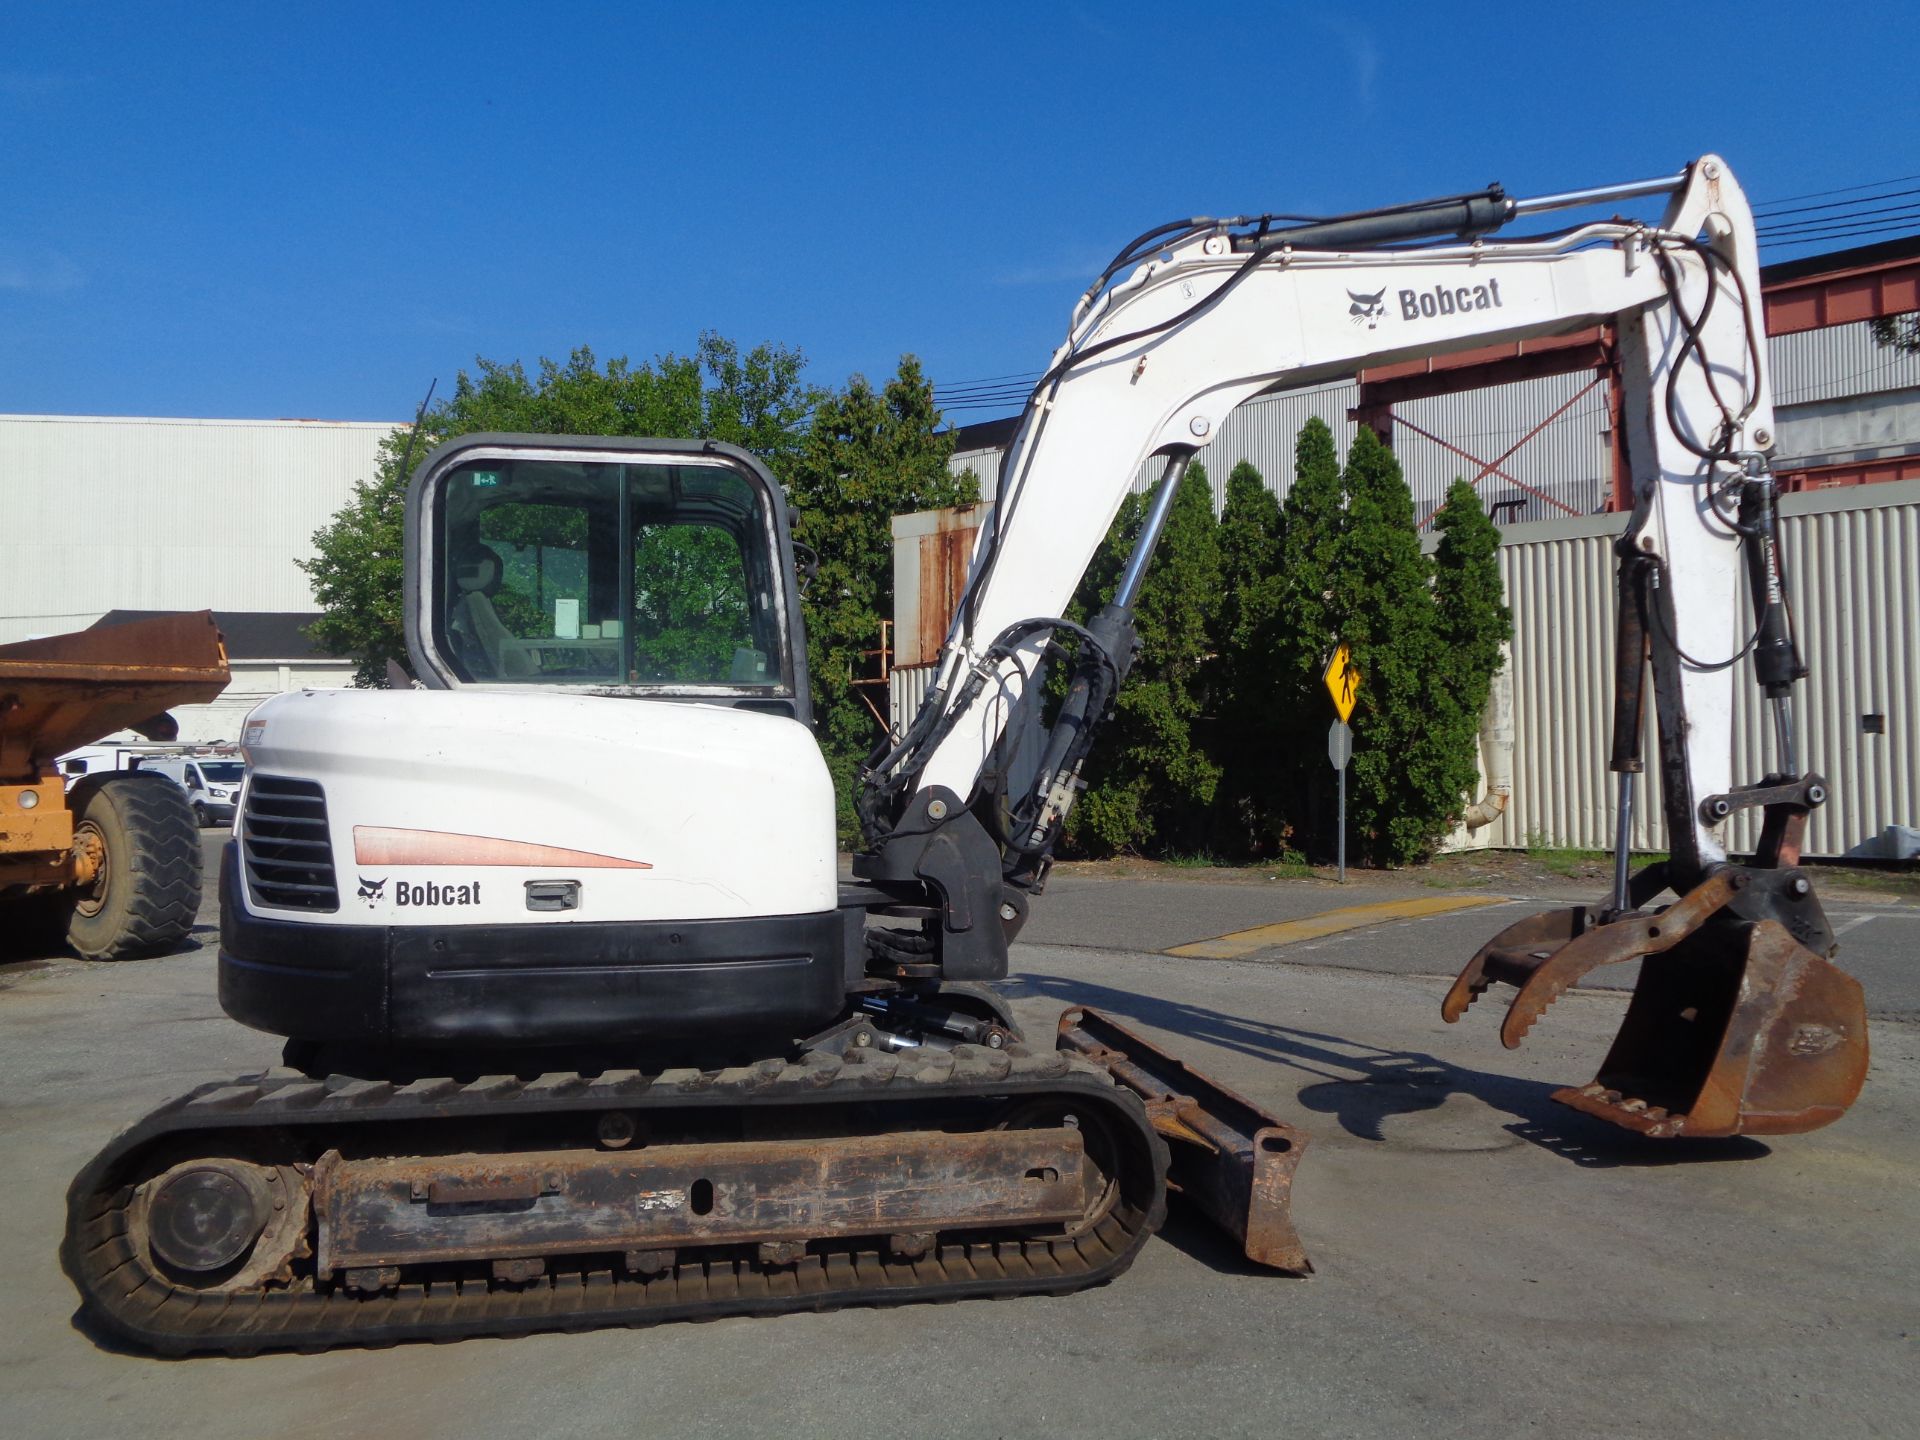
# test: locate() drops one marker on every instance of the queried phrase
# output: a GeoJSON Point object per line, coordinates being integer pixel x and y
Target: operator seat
{"type": "Point", "coordinates": [477, 572]}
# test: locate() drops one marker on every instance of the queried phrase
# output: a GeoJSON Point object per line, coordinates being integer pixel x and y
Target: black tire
{"type": "Point", "coordinates": [147, 890]}
{"type": "Point", "coordinates": [200, 815]}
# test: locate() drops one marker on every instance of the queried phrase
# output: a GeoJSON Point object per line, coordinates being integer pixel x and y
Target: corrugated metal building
{"type": "Point", "coordinates": [1853, 559]}
{"type": "Point", "coordinates": [108, 513]}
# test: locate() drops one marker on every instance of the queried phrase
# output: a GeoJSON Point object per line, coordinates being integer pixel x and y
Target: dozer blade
{"type": "Point", "coordinates": [1734, 1028]}
{"type": "Point", "coordinates": [1230, 1158]}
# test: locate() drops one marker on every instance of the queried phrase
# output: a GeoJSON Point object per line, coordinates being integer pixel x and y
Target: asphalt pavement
{"type": "Point", "coordinates": [1489, 1264]}
{"type": "Point", "coordinates": [1879, 938]}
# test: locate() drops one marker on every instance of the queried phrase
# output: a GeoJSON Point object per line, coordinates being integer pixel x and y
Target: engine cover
{"type": "Point", "coordinates": [483, 807]}
{"type": "Point", "coordinates": [482, 870]}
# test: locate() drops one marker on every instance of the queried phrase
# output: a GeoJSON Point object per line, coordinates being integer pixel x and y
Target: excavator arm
{"type": "Point", "coordinates": [1194, 319]}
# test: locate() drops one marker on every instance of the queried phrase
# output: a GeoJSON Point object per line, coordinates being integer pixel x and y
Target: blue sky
{"type": "Point", "coordinates": [311, 211]}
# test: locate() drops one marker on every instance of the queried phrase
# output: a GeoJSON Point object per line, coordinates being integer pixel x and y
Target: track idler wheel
{"type": "Point", "coordinates": [223, 1224]}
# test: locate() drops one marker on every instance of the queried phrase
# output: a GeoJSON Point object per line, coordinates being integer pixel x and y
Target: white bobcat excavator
{"type": "Point", "coordinates": [584, 1029]}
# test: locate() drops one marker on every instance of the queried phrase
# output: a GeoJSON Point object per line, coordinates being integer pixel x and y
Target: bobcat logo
{"type": "Point", "coordinates": [1367, 307]}
{"type": "Point", "coordinates": [373, 891]}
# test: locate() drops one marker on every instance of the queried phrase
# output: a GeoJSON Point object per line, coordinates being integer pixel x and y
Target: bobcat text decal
{"type": "Point", "coordinates": [1449, 300]}
{"type": "Point", "coordinates": [431, 892]}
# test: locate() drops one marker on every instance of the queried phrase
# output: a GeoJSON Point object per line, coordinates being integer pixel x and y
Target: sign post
{"type": "Point", "coordinates": [1339, 751]}
{"type": "Point", "coordinates": [1343, 684]}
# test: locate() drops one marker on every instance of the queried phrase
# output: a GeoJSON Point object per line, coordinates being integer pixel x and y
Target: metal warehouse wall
{"type": "Point", "coordinates": [1854, 572]}
{"type": "Point", "coordinates": [1568, 460]}
{"type": "Point", "coordinates": [1837, 360]}
{"type": "Point", "coordinates": [112, 513]}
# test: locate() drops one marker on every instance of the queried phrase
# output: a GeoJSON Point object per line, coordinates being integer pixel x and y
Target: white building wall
{"type": "Point", "coordinates": [254, 681]}
{"type": "Point", "coordinates": [105, 513]}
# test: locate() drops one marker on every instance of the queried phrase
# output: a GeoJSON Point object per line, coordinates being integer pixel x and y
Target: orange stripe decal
{"type": "Point", "coordinates": [377, 845]}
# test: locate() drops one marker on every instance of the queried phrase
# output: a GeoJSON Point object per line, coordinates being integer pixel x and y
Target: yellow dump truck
{"type": "Point", "coordinates": [112, 865]}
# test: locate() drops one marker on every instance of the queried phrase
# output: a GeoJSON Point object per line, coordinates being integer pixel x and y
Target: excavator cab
{"type": "Point", "coordinates": [654, 569]}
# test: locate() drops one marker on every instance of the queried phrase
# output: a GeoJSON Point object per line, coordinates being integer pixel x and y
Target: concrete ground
{"type": "Point", "coordinates": [1489, 1264]}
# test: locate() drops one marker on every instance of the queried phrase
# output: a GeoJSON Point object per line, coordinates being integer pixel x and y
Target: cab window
{"type": "Point", "coordinates": [565, 572]}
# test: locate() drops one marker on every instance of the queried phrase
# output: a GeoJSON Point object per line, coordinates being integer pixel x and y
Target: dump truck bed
{"type": "Point", "coordinates": [69, 690]}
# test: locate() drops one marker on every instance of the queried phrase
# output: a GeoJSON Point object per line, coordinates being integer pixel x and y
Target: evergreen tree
{"type": "Point", "coordinates": [1302, 633]}
{"type": "Point", "coordinates": [1150, 779]}
{"type": "Point", "coordinates": [1405, 781]}
{"type": "Point", "coordinates": [1469, 598]}
{"type": "Point", "coordinates": [1249, 744]}
{"type": "Point", "coordinates": [1472, 622]}
{"type": "Point", "coordinates": [867, 456]}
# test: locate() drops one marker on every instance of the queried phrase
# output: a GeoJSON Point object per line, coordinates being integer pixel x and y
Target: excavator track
{"type": "Point", "coordinates": [283, 1131]}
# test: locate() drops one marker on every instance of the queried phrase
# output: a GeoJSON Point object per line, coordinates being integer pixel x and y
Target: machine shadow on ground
{"type": "Point", "coordinates": [1362, 1086]}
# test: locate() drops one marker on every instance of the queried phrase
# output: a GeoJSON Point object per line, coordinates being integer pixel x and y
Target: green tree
{"type": "Point", "coordinates": [1408, 771]}
{"type": "Point", "coordinates": [1248, 739]}
{"type": "Point", "coordinates": [1302, 633]}
{"type": "Point", "coordinates": [1425, 636]}
{"type": "Point", "coordinates": [1469, 599]}
{"type": "Point", "coordinates": [358, 568]}
{"type": "Point", "coordinates": [1151, 780]}
{"type": "Point", "coordinates": [867, 456]}
{"type": "Point", "coordinates": [756, 399]}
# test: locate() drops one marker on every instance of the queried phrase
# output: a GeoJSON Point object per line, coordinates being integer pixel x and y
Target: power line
{"type": "Point", "coordinates": [1842, 190]}
{"type": "Point", "coordinates": [1852, 217]}
{"type": "Point", "coordinates": [1844, 232]}
{"type": "Point", "coordinates": [1857, 201]}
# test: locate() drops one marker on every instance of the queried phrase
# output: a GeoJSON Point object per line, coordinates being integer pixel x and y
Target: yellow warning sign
{"type": "Point", "coordinates": [1343, 682]}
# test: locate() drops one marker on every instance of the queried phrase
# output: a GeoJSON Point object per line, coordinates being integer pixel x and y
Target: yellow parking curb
{"type": "Point", "coordinates": [1329, 922]}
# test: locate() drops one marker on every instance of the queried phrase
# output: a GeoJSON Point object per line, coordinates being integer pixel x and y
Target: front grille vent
{"type": "Point", "coordinates": [283, 839]}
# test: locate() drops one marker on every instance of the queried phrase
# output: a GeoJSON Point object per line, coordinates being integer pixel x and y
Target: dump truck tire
{"type": "Point", "coordinates": [147, 891]}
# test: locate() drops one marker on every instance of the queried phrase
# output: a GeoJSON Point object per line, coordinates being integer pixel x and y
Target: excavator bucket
{"type": "Point", "coordinates": [1231, 1159]}
{"type": "Point", "coordinates": [1735, 1027]}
